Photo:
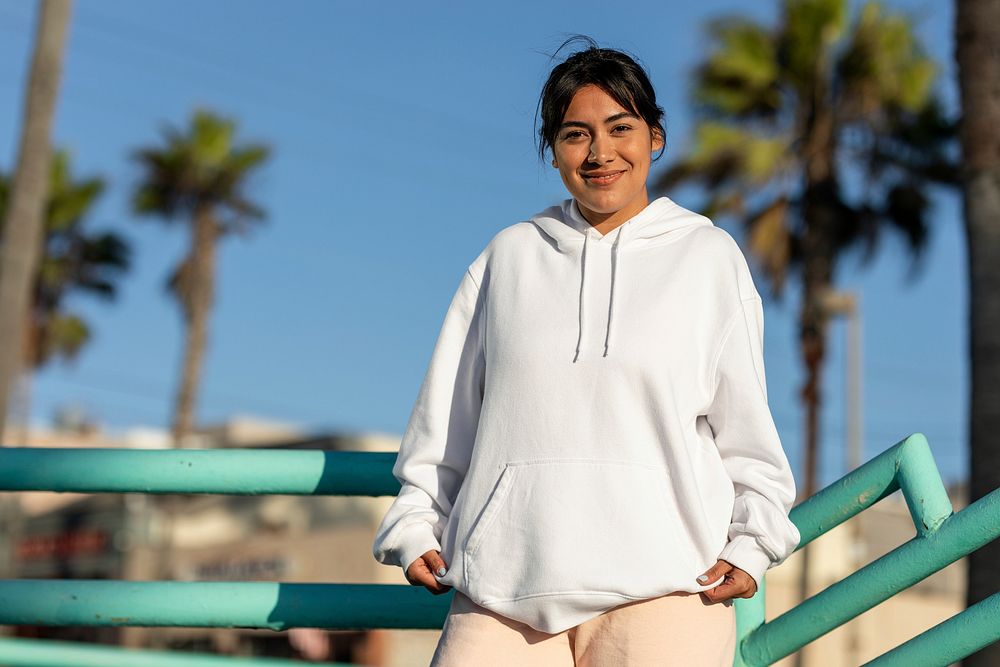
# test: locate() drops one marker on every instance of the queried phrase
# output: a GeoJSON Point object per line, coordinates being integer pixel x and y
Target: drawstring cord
{"type": "Point", "coordinates": [583, 277]}
{"type": "Point", "coordinates": [615, 262]}
{"type": "Point", "coordinates": [614, 282]}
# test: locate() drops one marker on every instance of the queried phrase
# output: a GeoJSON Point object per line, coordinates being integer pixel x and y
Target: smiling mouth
{"type": "Point", "coordinates": [604, 178]}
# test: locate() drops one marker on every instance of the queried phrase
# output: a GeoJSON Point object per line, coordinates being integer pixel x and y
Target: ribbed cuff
{"type": "Point", "coordinates": [417, 540]}
{"type": "Point", "coordinates": [744, 552]}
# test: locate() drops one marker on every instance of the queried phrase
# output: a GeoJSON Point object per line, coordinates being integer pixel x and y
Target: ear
{"type": "Point", "coordinates": [658, 140]}
{"type": "Point", "coordinates": [554, 163]}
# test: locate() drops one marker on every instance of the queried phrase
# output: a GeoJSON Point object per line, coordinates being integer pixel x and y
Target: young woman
{"type": "Point", "coordinates": [591, 461]}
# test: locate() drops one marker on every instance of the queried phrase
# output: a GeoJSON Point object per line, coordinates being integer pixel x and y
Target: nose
{"type": "Point", "coordinates": [600, 150]}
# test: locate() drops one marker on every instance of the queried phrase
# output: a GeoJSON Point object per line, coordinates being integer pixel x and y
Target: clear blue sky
{"type": "Point", "coordinates": [403, 142]}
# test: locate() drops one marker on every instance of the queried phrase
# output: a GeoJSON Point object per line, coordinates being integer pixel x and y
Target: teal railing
{"type": "Point", "coordinates": [942, 538]}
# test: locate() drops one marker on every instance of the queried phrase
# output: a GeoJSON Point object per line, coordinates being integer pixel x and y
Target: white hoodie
{"type": "Point", "coordinates": [593, 427]}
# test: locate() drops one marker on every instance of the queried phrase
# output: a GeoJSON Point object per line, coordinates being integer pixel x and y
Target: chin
{"type": "Point", "coordinates": [603, 206]}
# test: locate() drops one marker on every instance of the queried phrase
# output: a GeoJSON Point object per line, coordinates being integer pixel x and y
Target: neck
{"type": "Point", "coordinates": [608, 222]}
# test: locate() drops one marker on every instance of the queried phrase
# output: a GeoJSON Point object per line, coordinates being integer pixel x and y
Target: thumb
{"type": "Point", "coordinates": [720, 568]}
{"type": "Point", "coordinates": [436, 563]}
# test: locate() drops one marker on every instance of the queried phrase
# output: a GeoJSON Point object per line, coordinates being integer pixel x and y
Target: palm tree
{"type": "Point", "coordinates": [22, 231]}
{"type": "Point", "coordinates": [817, 135]}
{"type": "Point", "coordinates": [977, 34]}
{"type": "Point", "coordinates": [198, 177]}
{"type": "Point", "coordinates": [71, 260]}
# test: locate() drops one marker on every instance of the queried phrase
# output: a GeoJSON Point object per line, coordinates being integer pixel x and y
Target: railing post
{"type": "Point", "coordinates": [749, 617]}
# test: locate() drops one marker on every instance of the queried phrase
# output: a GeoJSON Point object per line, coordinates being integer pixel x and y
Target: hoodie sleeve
{"type": "Point", "coordinates": [436, 446]}
{"type": "Point", "coordinates": [760, 534]}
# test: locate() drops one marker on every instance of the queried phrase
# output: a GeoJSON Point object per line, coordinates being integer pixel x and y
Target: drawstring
{"type": "Point", "coordinates": [611, 297]}
{"type": "Point", "coordinates": [583, 277]}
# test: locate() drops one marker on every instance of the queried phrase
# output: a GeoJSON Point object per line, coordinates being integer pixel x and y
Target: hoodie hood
{"type": "Point", "coordinates": [662, 221]}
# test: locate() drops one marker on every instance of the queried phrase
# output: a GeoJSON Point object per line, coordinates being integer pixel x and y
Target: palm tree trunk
{"type": "Point", "coordinates": [814, 316]}
{"type": "Point", "coordinates": [977, 34]}
{"type": "Point", "coordinates": [197, 291]}
{"type": "Point", "coordinates": [23, 375]}
{"type": "Point", "coordinates": [21, 239]}
{"type": "Point", "coordinates": [812, 346]}
{"type": "Point", "coordinates": [818, 250]}
{"type": "Point", "coordinates": [818, 253]}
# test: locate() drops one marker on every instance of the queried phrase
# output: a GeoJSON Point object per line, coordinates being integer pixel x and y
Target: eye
{"type": "Point", "coordinates": [573, 134]}
{"type": "Point", "coordinates": [622, 128]}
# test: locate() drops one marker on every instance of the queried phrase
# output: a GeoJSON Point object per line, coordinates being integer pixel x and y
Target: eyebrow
{"type": "Point", "coordinates": [609, 119]}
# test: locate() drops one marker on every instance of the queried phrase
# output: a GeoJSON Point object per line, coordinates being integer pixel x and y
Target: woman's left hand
{"type": "Point", "coordinates": [737, 584]}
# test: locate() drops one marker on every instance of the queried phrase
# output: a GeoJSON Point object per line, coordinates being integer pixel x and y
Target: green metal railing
{"type": "Point", "coordinates": [942, 538]}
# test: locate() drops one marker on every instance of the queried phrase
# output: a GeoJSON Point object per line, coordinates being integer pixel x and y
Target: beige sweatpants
{"type": "Point", "coordinates": [676, 629]}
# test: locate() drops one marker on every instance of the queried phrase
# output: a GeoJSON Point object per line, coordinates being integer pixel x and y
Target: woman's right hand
{"type": "Point", "coordinates": [421, 572]}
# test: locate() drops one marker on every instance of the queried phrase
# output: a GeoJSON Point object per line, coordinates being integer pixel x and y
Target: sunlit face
{"type": "Point", "coordinates": [603, 152]}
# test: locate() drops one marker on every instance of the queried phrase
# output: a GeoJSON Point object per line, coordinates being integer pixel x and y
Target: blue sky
{"type": "Point", "coordinates": [403, 141]}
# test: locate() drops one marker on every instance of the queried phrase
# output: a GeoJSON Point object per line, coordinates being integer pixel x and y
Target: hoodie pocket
{"type": "Point", "coordinates": [565, 526]}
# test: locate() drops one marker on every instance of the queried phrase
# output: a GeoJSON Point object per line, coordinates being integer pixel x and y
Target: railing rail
{"type": "Point", "coordinates": [215, 471]}
{"type": "Point", "coordinates": [942, 537]}
{"type": "Point", "coordinates": [953, 639]}
{"type": "Point", "coordinates": [218, 604]}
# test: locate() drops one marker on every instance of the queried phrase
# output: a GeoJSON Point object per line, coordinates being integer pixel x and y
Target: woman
{"type": "Point", "coordinates": [591, 462]}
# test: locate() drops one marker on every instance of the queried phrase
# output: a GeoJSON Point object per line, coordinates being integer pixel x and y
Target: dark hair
{"type": "Point", "coordinates": [615, 72]}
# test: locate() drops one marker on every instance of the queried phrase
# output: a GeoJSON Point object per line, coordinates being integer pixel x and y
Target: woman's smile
{"type": "Point", "coordinates": [604, 177]}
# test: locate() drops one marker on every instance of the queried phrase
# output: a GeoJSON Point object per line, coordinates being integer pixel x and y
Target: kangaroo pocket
{"type": "Point", "coordinates": [578, 526]}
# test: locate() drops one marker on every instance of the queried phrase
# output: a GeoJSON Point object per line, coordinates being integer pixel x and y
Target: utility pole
{"type": "Point", "coordinates": [848, 305]}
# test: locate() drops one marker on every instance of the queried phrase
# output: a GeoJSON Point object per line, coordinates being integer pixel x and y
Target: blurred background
{"type": "Point", "coordinates": [256, 215]}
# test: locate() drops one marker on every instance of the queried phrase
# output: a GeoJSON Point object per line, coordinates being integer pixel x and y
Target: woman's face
{"type": "Point", "coordinates": [603, 152]}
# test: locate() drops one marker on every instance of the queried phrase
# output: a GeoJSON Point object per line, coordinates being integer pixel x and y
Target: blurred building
{"type": "Point", "coordinates": [305, 539]}
{"type": "Point", "coordinates": [206, 538]}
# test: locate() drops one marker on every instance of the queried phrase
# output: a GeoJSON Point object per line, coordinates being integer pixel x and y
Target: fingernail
{"type": "Point", "coordinates": [441, 571]}
{"type": "Point", "coordinates": [703, 578]}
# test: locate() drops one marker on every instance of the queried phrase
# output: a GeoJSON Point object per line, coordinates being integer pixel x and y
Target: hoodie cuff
{"type": "Point", "coordinates": [744, 552]}
{"type": "Point", "coordinates": [417, 540]}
